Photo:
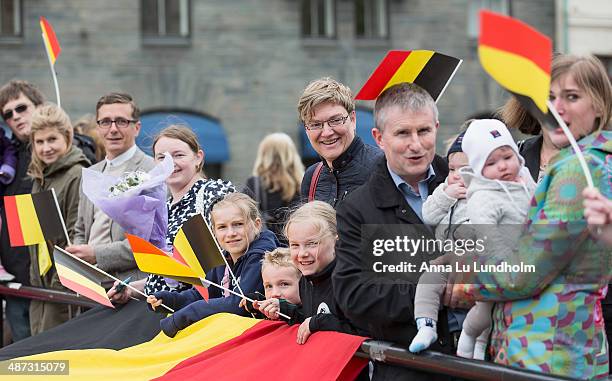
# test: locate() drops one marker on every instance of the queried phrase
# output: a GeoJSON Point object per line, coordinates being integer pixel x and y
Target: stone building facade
{"type": "Point", "coordinates": [246, 62]}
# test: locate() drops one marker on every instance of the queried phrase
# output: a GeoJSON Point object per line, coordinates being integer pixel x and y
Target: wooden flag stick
{"type": "Point", "coordinates": [61, 217]}
{"type": "Point", "coordinates": [109, 275]}
{"type": "Point", "coordinates": [573, 143]}
{"type": "Point", "coordinates": [237, 294]}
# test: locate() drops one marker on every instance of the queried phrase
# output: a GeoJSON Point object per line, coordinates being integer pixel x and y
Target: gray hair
{"type": "Point", "coordinates": [407, 96]}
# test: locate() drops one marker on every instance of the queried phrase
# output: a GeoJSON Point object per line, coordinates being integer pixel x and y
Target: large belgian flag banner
{"type": "Point", "coordinates": [221, 347]}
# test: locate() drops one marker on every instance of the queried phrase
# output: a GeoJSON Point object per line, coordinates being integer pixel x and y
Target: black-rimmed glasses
{"type": "Point", "coordinates": [106, 123]}
{"type": "Point", "coordinates": [336, 121]}
{"type": "Point", "coordinates": [10, 113]}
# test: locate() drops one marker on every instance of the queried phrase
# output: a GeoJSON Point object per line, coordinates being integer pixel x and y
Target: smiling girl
{"type": "Point", "coordinates": [56, 164]}
{"type": "Point", "coordinates": [237, 226]}
{"type": "Point", "coordinates": [311, 231]}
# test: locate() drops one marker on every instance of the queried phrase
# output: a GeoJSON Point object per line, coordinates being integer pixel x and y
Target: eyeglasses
{"type": "Point", "coordinates": [336, 121]}
{"type": "Point", "coordinates": [10, 113]}
{"type": "Point", "coordinates": [106, 123]}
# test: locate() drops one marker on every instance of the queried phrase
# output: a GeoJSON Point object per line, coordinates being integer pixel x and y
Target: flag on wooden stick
{"type": "Point", "coordinates": [53, 50]}
{"type": "Point", "coordinates": [519, 58]}
{"type": "Point", "coordinates": [196, 245]}
{"type": "Point", "coordinates": [32, 219]}
{"type": "Point", "coordinates": [80, 278]}
{"type": "Point", "coordinates": [152, 260]}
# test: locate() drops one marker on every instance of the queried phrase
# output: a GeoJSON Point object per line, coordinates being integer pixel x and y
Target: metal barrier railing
{"type": "Point", "coordinates": [454, 366]}
{"type": "Point", "coordinates": [387, 352]}
{"type": "Point", "coordinates": [18, 290]}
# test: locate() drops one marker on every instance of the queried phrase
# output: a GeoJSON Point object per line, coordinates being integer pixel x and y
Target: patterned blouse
{"type": "Point", "coordinates": [198, 199]}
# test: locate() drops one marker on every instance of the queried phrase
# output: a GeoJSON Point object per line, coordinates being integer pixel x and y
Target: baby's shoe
{"type": "Point", "coordinates": [426, 335]}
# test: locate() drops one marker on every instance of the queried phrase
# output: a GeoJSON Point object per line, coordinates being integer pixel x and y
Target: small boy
{"type": "Point", "coordinates": [281, 280]}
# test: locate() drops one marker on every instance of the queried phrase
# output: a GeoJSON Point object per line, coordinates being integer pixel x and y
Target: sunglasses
{"type": "Point", "coordinates": [19, 109]}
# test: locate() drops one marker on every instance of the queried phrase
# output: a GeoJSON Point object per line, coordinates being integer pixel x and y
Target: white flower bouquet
{"type": "Point", "coordinates": [136, 200]}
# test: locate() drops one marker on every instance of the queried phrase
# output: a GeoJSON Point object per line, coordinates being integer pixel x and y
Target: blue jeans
{"type": "Point", "coordinates": [18, 316]}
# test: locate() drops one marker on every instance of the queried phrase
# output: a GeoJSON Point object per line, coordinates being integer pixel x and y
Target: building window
{"type": "Point", "coordinates": [499, 6]}
{"type": "Point", "coordinates": [319, 18]}
{"type": "Point", "coordinates": [607, 63]}
{"type": "Point", "coordinates": [166, 21]}
{"type": "Point", "coordinates": [372, 19]}
{"type": "Point", "coordinates": [10, 19]}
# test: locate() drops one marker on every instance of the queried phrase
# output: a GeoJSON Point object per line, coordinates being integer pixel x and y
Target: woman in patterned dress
{"type": "Point", "coordinates": [551, 320]}
{"type": "Point", "coordinates": [191, 193]}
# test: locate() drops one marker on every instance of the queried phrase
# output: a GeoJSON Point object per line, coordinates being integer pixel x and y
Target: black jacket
{"type": "Point", "coordinates": [383, 309]}
{"type": "Point", "coordinates": [351, 169]}
{"type": "Point", "coordinates": [273, 208]}
{"type": "Point", "coordinates": [16, 260]}
{"type": "Point", "coordinates": [317, 296]}
{"type": "Point", "coordinates": [530, 151]}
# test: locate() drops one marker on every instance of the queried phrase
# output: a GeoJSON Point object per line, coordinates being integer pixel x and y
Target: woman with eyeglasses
{"type": "Point", "coordinates": [327, 110]}
{"type": "Point", "coordinates": [56, 164]}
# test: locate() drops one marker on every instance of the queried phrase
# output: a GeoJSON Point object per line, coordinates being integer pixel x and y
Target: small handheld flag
{"type": "Point", "coordinates": [431, 70]}
{"type": "Point", "coordinates": [84, 277]}
{"type": "Point", "coordinates": [53, 49]}
{"type": "Point", "coordinates": [152, 260]}
{"type": "Point", "coordinates": [80, 278]}
{"type": "Point", "coordinates": [196, 244]}
{"type": "Point", "coordinates": [519, 58]}
{"type": "Point", "coordinates": [31, 220]}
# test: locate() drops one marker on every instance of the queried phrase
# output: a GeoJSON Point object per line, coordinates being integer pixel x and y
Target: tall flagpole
{"type": "Point", "coordinates": [57, 93]}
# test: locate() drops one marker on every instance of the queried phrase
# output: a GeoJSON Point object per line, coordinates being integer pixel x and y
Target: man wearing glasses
{"type": "Point", "coordinates": [327, 110]}
{"type": "Point", "coordinates": [98, 239]}
{"type": "Point", "coordinates": [18, 100]}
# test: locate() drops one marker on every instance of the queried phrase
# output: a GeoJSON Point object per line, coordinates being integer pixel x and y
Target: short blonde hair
{"type": "Point", "coordinates": [244, 203]}
{"type": "Point", "coordinates": [318, 213]}
{"type": "Point", "coordinates": [324, 90]}
{"type": "Point", "coordinates": [280, 257]}
{"type": "Point", "coordinates": [46, 116]}
{"type": "Point", "coordinates": [279, 166]}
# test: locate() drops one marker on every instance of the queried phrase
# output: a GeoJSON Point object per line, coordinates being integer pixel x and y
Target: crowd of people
{"type": "Point", "coordinates": [296, 240]}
